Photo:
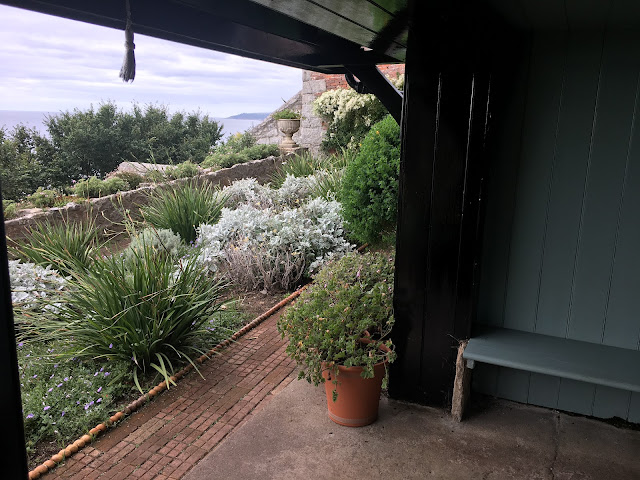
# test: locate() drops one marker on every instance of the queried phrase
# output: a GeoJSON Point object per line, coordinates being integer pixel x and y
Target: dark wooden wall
{"type": "Point", "coordinates": [444, 122]}
{"type": "Point", "coordinates": [562, 230]}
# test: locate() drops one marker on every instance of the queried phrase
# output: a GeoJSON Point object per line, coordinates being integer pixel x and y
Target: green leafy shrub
{"type": "Point", "coordinates": [225, 160]}
{"type": "Point", "coordinates": [182, 170]}
{"type": "Point", "coordinates": [261, 151]}
{"type": "Point", "coordinates": [239, 148]}
{"type": "Point", "coordinates": [88, 188]}
{"type": "Point", "coordinates": [183, 208]}
{"type": "Point", "coordinates": [236, 143]}
{"type": "Point", "coordinates": [162, 242]}
{"type": "Point", "coordinates": [93, 187]}
{"type": "Point", "coordinates": [10, 209]}
{"type": "Point", "coordinates": [370, 185]}
{"type": "Point", "coordinates": [286, 114]}
{"type": "Point", "coordinates": [133, 179]}
{"type": "Point", "coordinates": [114, 185]}
{"type": "Point", "coordinates": [350, 299]}
{"type": "Point", "coordinates": [155, 176]}
{"type": "Point", "coordinates": [42, 198]}
{"type": "Point", "coordinates": [66, 246]}
{"type": "Point", "coordinates": [145, 312]}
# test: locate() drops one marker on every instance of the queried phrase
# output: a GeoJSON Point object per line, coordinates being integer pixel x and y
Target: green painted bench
{"type": "Point", "coordinates": [560, 357]}
{"type": "Point", "coordinates": [587, 362]}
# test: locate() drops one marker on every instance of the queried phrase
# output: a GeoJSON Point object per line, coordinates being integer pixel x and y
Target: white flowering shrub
{"type": "Point", "coordinates": [30, 283]}
{"type": "Point", "coordinates": [349, 115]}
{"type": "Point", "coordinates": [274, 248]}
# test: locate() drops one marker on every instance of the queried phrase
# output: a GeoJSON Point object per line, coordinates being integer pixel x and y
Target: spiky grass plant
{"type": "Point", "coordinates": [301, 165]}
{"type": "Point", "coordinates": [66, 246]}
{"type": "Point", "coordinates": [184, 208]}
{"type": "Point", "coordinates": [143, 310]}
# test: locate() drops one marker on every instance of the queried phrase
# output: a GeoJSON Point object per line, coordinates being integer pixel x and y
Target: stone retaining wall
{"type": "Point", "coordinates": [108, 211]}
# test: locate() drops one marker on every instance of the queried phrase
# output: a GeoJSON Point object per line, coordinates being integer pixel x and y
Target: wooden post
{"type": "Point", "coordinates": [15, 452]}
{"type": "Point", "coordinates": [444, 123]}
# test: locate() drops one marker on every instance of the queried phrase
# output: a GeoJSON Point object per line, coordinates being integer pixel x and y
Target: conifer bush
{"type": "Point", "coordinates": [370, 185]}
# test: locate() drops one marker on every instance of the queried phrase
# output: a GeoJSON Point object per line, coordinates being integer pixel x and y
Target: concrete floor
{"type": "Point", "coordinates": [292, 438]}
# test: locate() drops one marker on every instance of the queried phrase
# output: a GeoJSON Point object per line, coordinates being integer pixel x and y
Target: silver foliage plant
{"type": "Point", "coordinates": [273, 238]}
{"type": "Point", "coordinates": [31, 283]}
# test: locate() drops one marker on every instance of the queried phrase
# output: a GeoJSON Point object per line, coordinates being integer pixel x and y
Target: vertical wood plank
{"type": "Point", "coordinates": [611, 402]}
{"type": "Point", "coordinates": [538, 152]}
{"type": "Point", "coordinates": [622, 327]}
{"type": "Point", "coordinates": [510, 94]}
{"type": "Point", "coordinates": [576, 396]}
{"type": "Point", "coordinates": [485, 379]}
{"type": "Point", "coordinates": [597, 235]}
{"type": "Point", "coordinates": [513, 385]}
{"type": "Point", "coordinates": [543, 390]}
{"type": "Point", "coordinates": [572, 155]}
{"type": "Point", "coordinates": [634, 408]}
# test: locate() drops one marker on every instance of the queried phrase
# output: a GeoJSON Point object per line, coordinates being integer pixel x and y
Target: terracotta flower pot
{"type": "Point", "coordinates": [358, 398]}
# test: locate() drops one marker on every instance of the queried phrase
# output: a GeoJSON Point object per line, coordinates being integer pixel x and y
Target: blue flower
{"type": "Point", "coordinates": [47, 408]}
{"type": "Point", "coordinates": [30, 415]}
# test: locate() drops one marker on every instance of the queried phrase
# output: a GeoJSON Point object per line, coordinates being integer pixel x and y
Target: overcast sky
{"type": "Point", "coordinates": [53, 64]}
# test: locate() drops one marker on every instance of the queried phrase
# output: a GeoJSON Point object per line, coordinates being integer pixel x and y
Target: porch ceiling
{"type": "Point", "coordinates": [321, 36]}
{"type": "Point", "coordinates": [569, 14]}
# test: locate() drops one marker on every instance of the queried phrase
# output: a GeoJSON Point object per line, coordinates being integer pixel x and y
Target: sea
{"type": "Point", "coordinates": [10, 118]}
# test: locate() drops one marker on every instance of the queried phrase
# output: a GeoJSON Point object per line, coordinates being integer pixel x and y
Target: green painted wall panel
{"type": "Point", "coordinates": [597, 234]}
{"type": "Point", "coordinates": [634, 408]}
{"type": "Point", "coordinates": [576, 396]}
{"type": "Point", "coordinates": [513, 385]}
{"type": "Point", "coordinates": [543, 390]}
{"type": "Point", "coordinates": [622, 328]}
{"type": "Point", "coordinates": [499, 212]}
{"type": "Point", "coordinates": [538, 145]}
{"type": "Point", "coordinates": [485, 378]}
{"type": "Point", "coordinates": [611, 402]}
{"type": "Point", "coordinates": [562, 231]}
{"type": "Point", "coordinates": [567, 185]}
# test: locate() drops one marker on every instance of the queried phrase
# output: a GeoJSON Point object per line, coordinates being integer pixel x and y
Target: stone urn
{"type": "Point", "coordinates": [288, 126]}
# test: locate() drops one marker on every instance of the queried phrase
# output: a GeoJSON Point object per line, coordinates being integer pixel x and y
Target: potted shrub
{"type": "Point", "coordinates": [338, 333]}
{"type": "Point", "coordinates": [288, 122]}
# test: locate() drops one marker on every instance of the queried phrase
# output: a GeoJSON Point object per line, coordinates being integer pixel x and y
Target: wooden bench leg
{"type": "Point", "coordinates": [461, 386]}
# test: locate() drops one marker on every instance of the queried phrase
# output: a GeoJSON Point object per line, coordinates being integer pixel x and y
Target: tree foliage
{"type": "Point", "coordinates": [370, 185]}
{"type": "Point", "coordinates": [80, 144]}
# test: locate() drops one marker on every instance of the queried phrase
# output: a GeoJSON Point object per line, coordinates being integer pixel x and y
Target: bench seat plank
{"type": "Point", "coordinates": [587, 362]}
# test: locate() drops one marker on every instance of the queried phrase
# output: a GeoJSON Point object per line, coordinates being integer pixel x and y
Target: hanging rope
{"type": "Point", "coordinates": [128, 70]}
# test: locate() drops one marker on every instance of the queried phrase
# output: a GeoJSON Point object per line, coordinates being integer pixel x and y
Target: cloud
{"type": "Point", "coordinates": [52, 64]}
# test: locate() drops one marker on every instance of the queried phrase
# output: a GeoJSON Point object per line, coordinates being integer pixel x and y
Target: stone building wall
{"type": "Point", "coordinates": [312, 128]}
{"type": "Point", "coordinates": [267, 131]}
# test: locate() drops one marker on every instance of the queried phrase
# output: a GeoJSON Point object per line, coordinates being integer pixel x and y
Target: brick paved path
{"type": "Point", "coordinates": [167, 437]}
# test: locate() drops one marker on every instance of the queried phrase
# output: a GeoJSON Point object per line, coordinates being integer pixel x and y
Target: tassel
{"type": "Point", "coordinates": [128, 70]}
